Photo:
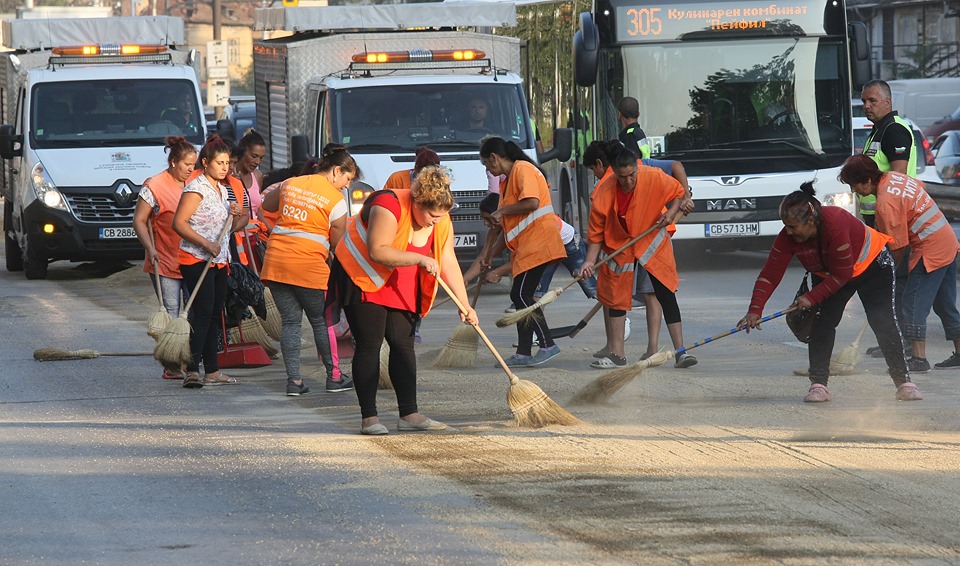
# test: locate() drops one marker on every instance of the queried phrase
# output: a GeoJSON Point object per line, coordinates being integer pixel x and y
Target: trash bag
{"type": "Point", "coordinates": [244, 289]}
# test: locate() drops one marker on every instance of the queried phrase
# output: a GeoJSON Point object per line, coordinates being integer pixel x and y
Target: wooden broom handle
{"type": "Point", "coordinates": [476, 327]}
{"type": "Point", "coordinates": [476, 296]}
{"type": "Point", "coordinates": [583, 322]}
{"type": "Point", "coordinates": [615, 252]}
{"type": "Point", "coordinates": [156, 264]}
{"type": "Point", "coordinates": [193, 295]}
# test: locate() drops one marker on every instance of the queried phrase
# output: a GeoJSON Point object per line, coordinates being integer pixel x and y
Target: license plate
{"type": "Point", "coordinates": [117, 233]}
{"type": "Point", "coordinates": [464, 240]}
{"type": "Point", "coordinates": [732, 229]}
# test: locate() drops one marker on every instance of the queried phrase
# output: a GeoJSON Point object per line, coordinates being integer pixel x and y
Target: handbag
{"type": "Point", "coordinates": [801, 322]}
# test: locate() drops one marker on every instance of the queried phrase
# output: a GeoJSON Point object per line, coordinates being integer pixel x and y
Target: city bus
{"type": "Point", "coordinates": [752, 97]}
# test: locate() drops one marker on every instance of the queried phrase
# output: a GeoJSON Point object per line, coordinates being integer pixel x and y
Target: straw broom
{"type": "Point", "coordinates": [385, 382]}
{"type": "Point", "coordinates": [848, 358]}
{"type": "Point", "coordinates": [522, 314]}
{"type": "Point", "coordinates": [531, 407]}
{"type": "Point", "coordinates": [272, 324]}
{"type": "Point", "coordinates": [173, 346]}
{"type": "Point", "coordinates": [55, 355]}
{"type": "Point", "coordinates": [604, 387]}
{"type": "Point", "coordinates": [161, 318]}
{"type": "Point", "coordinates": [460, 350]}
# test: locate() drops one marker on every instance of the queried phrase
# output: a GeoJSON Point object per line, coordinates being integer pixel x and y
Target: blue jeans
{"type": "Point", "coordinates": [576, 255]}
{"type": "Point", "coordinates": [172, 293]}
{"type": "Point", "coordinates": [936, 289]}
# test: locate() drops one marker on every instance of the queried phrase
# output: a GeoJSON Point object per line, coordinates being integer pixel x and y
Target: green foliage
{"type": "Point", "coordinates": [924, 61]}
{"type": "Point", "coordinates": [244, 83]}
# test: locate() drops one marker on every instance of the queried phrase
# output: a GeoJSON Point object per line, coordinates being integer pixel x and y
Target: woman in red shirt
{"type": "Point", "coordinates": [844, 256]}
{"type": "Point", "coordinates": [384, 275]}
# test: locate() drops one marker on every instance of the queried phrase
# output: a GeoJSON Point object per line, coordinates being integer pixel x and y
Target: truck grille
{"type": "Point", "coordinates": [465, 217]}
{"type": "Point", "coordinates": [100, 208]}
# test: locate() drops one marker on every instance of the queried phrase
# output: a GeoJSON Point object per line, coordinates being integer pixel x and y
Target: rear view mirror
{"type": "Point", "coordinates": [10, 143]}
{"type": "Point", "coordinates": [562, 146]}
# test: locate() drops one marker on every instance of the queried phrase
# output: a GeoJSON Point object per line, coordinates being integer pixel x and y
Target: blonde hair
{"type": "Point", "coordinates": [431, 189]}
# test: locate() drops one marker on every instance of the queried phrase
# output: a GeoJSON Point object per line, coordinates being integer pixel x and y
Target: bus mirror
{"type": "Point", "coordinates": [586, 51]}
{"type": "Point", "coordinates": [298, 149]}
{"type": "Point", "coordinates": [10, 143]}
{"type": "Point", "coordinates": [859, 54]}
{"type": "Point", "coordinates": [562, 146]}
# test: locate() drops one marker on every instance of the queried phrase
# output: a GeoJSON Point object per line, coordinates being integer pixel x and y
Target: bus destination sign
{"type": "Point", "coordinates": [643, 21]}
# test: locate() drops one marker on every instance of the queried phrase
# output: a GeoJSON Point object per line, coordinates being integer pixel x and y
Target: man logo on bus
{"type": "Point", "coordinates": [732, 204]}
{"type": "Point", "coordinates": [730, 181]}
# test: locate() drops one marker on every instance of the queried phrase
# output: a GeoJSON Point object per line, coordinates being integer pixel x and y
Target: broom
{"type": "Point", "coordinates": [605, 386]}
{"type": "Point", "coordinates": [161, 318]}
{"type": "Point", "coordinates": [460, 350]}
{"type": "Point", "coordinates": [521, 314]}
{"type": "Point", "coordinates": [385, 382]}
{"type": "Point", "coordinates": [848, 357]}
{"type": "Point", "coordinates": [173, 346]}
{"type": "Point", "coordinates": [251, 330]}
{"type": "Point", "coordinates": [55, 355]}
{"type": "Point", "coordinates": [272, 324]}
{"type": "Point", "coordinates": [530, 406]}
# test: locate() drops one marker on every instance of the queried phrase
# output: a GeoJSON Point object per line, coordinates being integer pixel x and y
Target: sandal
{"type": "Point", "coordinates": [611, 361]}
{"type": "Point", "coordinates": [191, 380]}
{"type": "Point", "coordinates": [222, 379]}
{"type": "Point", "coordinates": [602, 353]}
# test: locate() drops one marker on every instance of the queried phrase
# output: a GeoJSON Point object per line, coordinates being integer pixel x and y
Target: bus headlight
{"type": "Point", "coordinates": [843, 200]}
{"type": "Point", "coordinates": [47, 192]}
{"type": "Point", "coordinates": [357, 192]}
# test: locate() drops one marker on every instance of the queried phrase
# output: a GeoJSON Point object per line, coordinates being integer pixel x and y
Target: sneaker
{"type": "Point", "coordinates": [294, 390]}
{"type": "Point", "coordinates": [511, 308]}
{"type": "Point", "coordinates": [545, 354]}
{"type": "Point", "coordinates": [517, 361]}
{"type": "Point", "coordinates": [626, 328]}
{"type": "Point", "coordinates": [535, 344]}
{"type": "Point", "coordinates": [908, 392]}
{"type": "Point", "coordinates": [953, 362]}
{"type": "Point", "coordinates": [344, 383]}
{"type": "Point", "coordinates": [875, 352]}
{"type": "Point", "coordinates": [818, 394]}
{"type": "Point", "coordinates": [684, 360]}
{"type": "Point", "coordinates": [918, 365]}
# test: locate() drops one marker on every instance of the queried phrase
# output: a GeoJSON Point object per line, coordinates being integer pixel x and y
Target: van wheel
{"type": "Point", "coordinates": [35, 261]}
{"type": "Point", "coordinates": [11, 247]}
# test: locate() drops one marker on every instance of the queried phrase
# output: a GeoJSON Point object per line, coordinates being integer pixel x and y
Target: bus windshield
{"type": "Point", "coordinates": [443, 116]}
{"type": "Point", "coordinates": [741, 106]}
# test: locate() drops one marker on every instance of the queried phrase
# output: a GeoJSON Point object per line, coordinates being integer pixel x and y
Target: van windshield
{"type": "Point", "coordinates": [443, 116]}
{"type": "Point", "coordinates": [113, 113]}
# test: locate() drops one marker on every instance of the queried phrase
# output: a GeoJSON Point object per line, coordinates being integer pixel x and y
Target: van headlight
{"type": "Point", "coordinates": [843, 200]}
{"type": "Point", "coordinates": [47, 192]}
{"type": "Point", "coordinates": [357, 192]}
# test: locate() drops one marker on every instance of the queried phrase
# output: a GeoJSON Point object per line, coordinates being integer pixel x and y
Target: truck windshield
{"type": "Point", "coordinates": [442, 116]}
{"type": "Point", "coordinates": [780, 104]}
{"type": "Point", "coordinates": [113, 113]}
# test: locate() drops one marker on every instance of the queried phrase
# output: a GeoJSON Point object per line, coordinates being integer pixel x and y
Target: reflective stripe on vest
{"type": "Point", "coordinates": [284, 231]}
{"type": "Point", "coordinates": [358, 257]}
{"type": "Point", "coordinates": [868, 204]}
{"type": "Point", "coordinates": [870, 250]}
{"type": "Point", "coordinates": [924, 218]}
{"type": "Point", "coordinates": [528, 220]}
{"type": "Point", "coordinates": [618, 269]}
{"type": "Point", "coordinates": [652, 248]}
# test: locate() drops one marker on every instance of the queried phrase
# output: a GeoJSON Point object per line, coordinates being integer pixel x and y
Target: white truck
{"type": "Point", "coordinates": [86, 107]}
{"type": "Point", "coordinates": [388, 79]}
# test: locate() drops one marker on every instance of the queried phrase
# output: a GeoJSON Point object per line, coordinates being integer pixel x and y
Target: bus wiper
{"type": "Point", "coordinates": [802, 149]}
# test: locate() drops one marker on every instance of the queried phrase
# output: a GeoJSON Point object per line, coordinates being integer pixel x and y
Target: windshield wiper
{"type": "Point", "coordinates": [773, 141]}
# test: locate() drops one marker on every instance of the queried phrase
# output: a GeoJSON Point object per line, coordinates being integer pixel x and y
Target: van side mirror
{"type": "Point", "coordinates": [562, 146]}
{"type": "Point", "coordinates": [11, 145]}
{"type": "Point", "coordinates": [299, 148]}
{"type": "Point", "coordinates": [586, 51]}
{"type": "Point", "coordinates": [859, 54]}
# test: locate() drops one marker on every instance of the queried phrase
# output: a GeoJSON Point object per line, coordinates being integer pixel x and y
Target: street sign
{"type": "Point", "coordinates": [217, 72]}
{"type": "Point", "coordinates": [218, 92]}
{"type": "Point", "coordinates": [218, 54]}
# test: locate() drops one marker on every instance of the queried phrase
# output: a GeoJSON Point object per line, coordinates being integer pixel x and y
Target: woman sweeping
{"type": "Point", "coordinates": [157, 203]}
{"type": "Point", "coordinates": [204, 209]}
{"type": "Point", "coordinates": [526, 225]}
{"type": "Point", "coordinates": [845, 257]}
{"type": "Point", "coordinates": [311, 219]}
{"type": "Point", "coordinates": [385, 276]}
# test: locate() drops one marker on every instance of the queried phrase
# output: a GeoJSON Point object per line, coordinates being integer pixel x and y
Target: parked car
{"type": "Point", "coordinates": [951, 122]}
{"type": "Point", "coordinates": [946, 152]}
{"type": "Point", "coordinates": [239, 115]}
{"type": "Point", "coordinates": [926, 173]}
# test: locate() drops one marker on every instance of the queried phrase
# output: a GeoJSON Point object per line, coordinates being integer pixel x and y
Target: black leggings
{"type": "Point", "coordinates": [667, 300]}
{"type": "Point", "coordinates": [207, 307]}
{"type": "Point", "coordinates": [524, 286]}
{"type": "Point", "coordinates": [370, 324]}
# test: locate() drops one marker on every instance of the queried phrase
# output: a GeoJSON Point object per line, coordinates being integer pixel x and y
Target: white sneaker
{"type": "Point", "coordinates": [511, 308]}
{"type": "Point", "coordinates": [626, 328]}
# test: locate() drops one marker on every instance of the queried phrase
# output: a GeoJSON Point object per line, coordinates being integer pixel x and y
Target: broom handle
{"type": "Point", "coordinates": [470, 289]}
{"type": "Point", "coordinates": [493, 350]}
{"type": "Point", "coordinates": [733, 330]}
{"type": "Point", "coordinates": [476, 296]}
{"type": "Point", "coordinates": [249, 252]}
{"type": "Point", "coordinates": [609, 256]}
{"type": "Point", "coordinates": [193, 295]}
{"type": "Point", "coordinates": [156, 264]}
{"type": "Point", "coordinates": [583, 321]}
{"type": "Point", "coordinates": [862, 330]}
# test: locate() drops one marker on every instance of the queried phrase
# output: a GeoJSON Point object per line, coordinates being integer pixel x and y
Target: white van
{"type": "Point", "coordinates": [925, 100]}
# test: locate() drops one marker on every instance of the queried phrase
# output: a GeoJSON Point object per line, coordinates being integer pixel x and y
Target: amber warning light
{"type": "Point", "coordinates": [421, 55]}
{"type": "Point", "coordinates": [114, 49]}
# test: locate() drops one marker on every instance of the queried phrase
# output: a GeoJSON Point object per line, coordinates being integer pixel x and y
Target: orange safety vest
{"type": "Point", "coordinates": [653, 251]}
{"type": "Point", "coordinates": [166, 191]}
{"type": "Point", "coordinates": [299, 244]}
{"type": "Point", "coordinates": [671, 228]}
{"type": "Point", "coordinates": [873, 243]}
{"type": "Point", "coordinates": [399, 180]}
{"type": "Point", "coordinates": [533, 239]}
{"type": "Point", "coordinates": [370, 276]}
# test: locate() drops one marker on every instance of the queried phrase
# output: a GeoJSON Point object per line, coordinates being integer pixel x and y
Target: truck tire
{"type": "Point", "coordinates": [34, 261]}
{"type": "Point", "coordinates": [12, 249]}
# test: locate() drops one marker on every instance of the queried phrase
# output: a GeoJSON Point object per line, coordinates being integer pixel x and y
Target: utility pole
{"type": "Point", "coordinates": [217, 110]}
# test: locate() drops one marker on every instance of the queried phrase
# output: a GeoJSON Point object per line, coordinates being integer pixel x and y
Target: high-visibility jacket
{"type": "Point", "coordinates": [166, 192]}
{"type": "Point", "coordinates": [871, 148]}
{"type": "Point", "coordinates": [299, 245]}
{"type": "Point", "coordinates": [671, 228]}
{"type": "Point", "coordinates": [399, 180]}
{"type": "Point", "coordinates": [354, 255]}
{"type": "Point", "coordinates": [654, 189]}
{"type": "Point", "coordinates": [533, 238]}
{"type": "Point", "coordinates": [873, 243]}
